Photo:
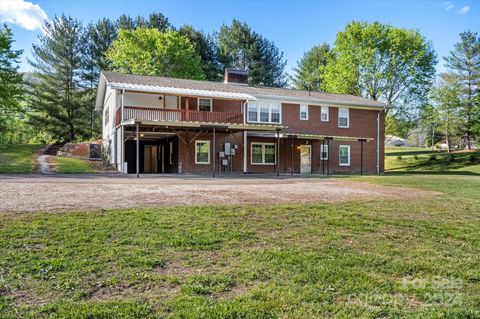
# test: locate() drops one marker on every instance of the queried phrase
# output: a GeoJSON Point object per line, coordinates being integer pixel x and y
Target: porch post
{"type": "Point", "coordinates": [329, 138]}
{"type": "Point", "coordinates": [361, 140]}
{"type": "Point", "coordinates": [214, 155]}
{"type": "Point", "coordinates": [115, 145]}
{"type": "Point", "coordinates": [277, 152]}
{"type": "Point", "coordinates": [245, 148]}
{"type": "Point", "coordinates": [138, 149]}
{"type": "Point", "coordinates": [186, 108]}
{"type": "Point", "coordinates": [322, 151]}
{"type": "Point", "coordinates": [291, 155]}
{"type": "Point", "coordinates": [122, 149]}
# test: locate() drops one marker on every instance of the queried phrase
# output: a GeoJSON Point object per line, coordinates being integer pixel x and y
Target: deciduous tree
{"type": "Point", "coordinates": [446, 95]}
{"type": "Point", "coordinates": [151, 52]}
{"type": "Point", "coordinates": [381, 62]}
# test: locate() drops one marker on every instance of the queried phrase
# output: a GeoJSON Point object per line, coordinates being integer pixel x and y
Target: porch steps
{"type": "Point", "coordinates": [53, 149]}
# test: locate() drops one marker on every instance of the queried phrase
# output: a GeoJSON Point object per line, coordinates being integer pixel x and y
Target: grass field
{"type": "Point", "coordinates": [370, 259]}
{"type": "Point", "coordinates": [69, 165]}
{"type": "Point", "coordinates": [18, 158]}
{"type": "Point", "coordinates": [422, 160]}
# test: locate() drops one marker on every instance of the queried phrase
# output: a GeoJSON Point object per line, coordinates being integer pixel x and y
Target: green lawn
{"type": "Point", "coordinates": [70, 165]}
{"type": "Point", "coordinates": [369, 259]}
{"type": "Point", "coordinates": [18, 158]}
{"type": "Point", "coordinates": [422, 160]}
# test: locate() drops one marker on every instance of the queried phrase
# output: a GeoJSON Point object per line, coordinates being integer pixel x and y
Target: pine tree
{"type": "Point", "coordinates": [240, 47]}
{"type": "Point", "coordinates": [310, 69]}
{"type": "Point", "coordinates": [206, 49]}
{"type": "Point", "coordinates": [446, 94]}
{"type": "Point", "coordinates": [96, 39]}
{"type": "Point", "coordinates": [55, 90]}
{"type": "Point", "coordinates": [464, 61]}
{"type": "Point", "coordinates": [10, 80]}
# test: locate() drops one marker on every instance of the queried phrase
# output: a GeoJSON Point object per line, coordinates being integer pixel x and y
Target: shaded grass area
{"type": "Point", "coordinates": [70, 165]}
{"type": "Point", "coordinates": [425, 161]}
{"type": "Point", "coordinates": [354, 259]}
{"type": "Point", "coordinates": [18, 158]}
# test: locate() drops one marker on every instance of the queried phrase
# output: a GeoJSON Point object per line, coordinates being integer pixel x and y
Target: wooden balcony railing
{"type": "Point", "coordinates": [165, 115]}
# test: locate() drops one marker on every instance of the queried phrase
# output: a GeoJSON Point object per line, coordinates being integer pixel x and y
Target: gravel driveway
{"type": "Point", "coordinates": [29, 193]}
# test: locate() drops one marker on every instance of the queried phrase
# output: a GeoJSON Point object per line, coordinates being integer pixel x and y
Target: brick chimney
{"type": "Point", "coordinates": [236, 76]}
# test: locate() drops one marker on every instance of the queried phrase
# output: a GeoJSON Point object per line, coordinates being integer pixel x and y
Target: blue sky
{"type": "Point", "coordinates": [294, 26]}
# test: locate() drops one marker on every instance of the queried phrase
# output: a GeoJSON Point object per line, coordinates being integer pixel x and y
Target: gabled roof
{"type": "Point", "coordinates": [225, 90]}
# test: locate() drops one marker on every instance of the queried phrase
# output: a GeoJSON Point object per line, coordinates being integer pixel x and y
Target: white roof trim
{"type": "Point", "coordinates": [183, 91]}
{"type": "Point", "coordinates": [314, 101]}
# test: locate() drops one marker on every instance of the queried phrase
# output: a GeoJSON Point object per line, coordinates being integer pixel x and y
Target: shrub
{"type": "Point", "coordinates": [451, 157]}
{"type": "Point", "coordinates": [415, 157]}
{"type": "Point", "coordinates": [399, 157]}
{"type": "Point", "coordinates": [472, 158]}
{"type": "Point", "coordinates": [433, 157]}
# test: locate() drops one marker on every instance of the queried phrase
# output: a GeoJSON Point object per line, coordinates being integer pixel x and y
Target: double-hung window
{"type": "Point", "coordinates": [252, 112]}
{"type": "Point", "coordinates": [275, 113]}
{"type": "Point", "coordinates": [323, 152]}
{"type": "Point", "coordinates": [324, 114]}
{"type": "Point", "coordinates": [264, 112]}
{"type": "Point", "coordinates": [263, 153]}
{"type": "Point", "coordinates": [204, 104]}
{"type": "Point", "coordinates": [343, 117]}
{"type": "Point", "coordinates": [202, 152]}
{"type": "Point", "coordinates": [303, 112]}
{"type": "Point", "coordinates": [344, 155]}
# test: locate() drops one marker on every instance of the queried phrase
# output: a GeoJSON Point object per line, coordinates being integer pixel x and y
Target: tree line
{"type": "Point", "coordinates": [373, 60]}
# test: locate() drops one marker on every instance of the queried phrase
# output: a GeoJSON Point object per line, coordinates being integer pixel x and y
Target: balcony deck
{"type": "Point", "coordinates": [166, 115]}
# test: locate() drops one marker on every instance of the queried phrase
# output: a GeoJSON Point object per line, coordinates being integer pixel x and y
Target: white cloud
{"type": "Point", "coordinates": [464, 10]}
{"type": "Point", "coordinates": [448, 6]}
{"type": "Point", "coordinates": [26, 14]}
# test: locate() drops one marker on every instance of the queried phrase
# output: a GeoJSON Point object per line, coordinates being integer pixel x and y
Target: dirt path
{"type": "Point", "coordinates": [90, 192]}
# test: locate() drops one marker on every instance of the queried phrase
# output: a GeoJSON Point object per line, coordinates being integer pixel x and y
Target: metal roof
{"type": "Point", "coordinates": [226, 90]}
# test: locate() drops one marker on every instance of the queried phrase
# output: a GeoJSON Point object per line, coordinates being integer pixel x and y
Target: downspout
{"type": "Point", "coordinates": [245, 138]}
{"type": "Point", "coordinates": [378, 142]}
{"type": "Point", "coordinates": [245, 149]}
{"type": "Point", "coordinates": [123, 94]}
{"type": "Point", "coordinates": [122, 157]}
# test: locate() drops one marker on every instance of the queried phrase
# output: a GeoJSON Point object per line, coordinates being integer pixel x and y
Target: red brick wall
{"type": "Point", "coordinates": [287, 152]}
{"type": "Point", "coordinates": [187, 152]}
{"type": "Point", "coordinates": [187, 155]}
{"type": "Point", "coordinates": [363, 123]}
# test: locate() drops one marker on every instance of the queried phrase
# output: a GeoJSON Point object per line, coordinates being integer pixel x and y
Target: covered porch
{"type": "Point", "coordinates": [161, 147]}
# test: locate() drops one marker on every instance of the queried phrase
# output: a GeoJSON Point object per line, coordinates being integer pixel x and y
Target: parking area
{"type": "Point", "coordinates": [30, 193]}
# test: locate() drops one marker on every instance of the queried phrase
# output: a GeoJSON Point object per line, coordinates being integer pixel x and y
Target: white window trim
{"type": "Point", "coordinates": [269, 112]}
{"type": "Point", "coordinates": [348, 117]}
{"type": "Point", "coordinates": [203, 98]}
{"type": "Point", "coordinates": [202, 163]}
{"type": "Point", "coordinates": [263, 153]}
{"type": "Point", "coordinates": [322, 147]}
{"type": "Point", "coordinates": [349, 155]}
{"type": "Point", "coordinates": [306, 112]}
{"type": "Point", "coordinates": [328, 114]}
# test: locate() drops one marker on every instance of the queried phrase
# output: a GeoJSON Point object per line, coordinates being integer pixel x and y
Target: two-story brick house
{"type": "Point", "coordinates": [166, 125]}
